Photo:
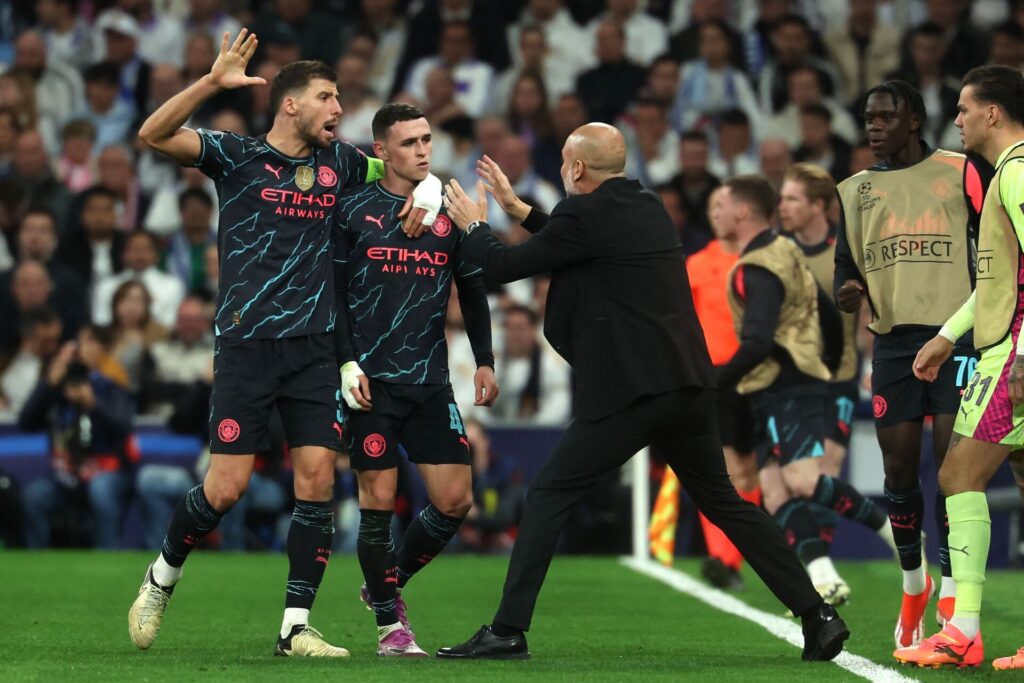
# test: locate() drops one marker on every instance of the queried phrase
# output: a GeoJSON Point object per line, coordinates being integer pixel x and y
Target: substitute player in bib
{"type": "Point", "coordinates": [990, 420]}
{"type": "Point", "coordinates": [786, 325]}
{"type": "Point", "coordinates": [274, 320]}
{"type": "Point", "coordinates": [904, 243]}
{"type": "Point", "coordinates": [805, 198]}
{"type": "Point", "coordinates": [392, 296]}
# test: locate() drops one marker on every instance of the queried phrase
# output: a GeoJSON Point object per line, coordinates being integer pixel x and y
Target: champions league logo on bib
{"type": "Point", "coordinates": [304, 177]}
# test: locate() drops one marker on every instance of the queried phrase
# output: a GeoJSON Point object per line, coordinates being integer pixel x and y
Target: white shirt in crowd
{"type": "Point", "coordinates": [166, 291]}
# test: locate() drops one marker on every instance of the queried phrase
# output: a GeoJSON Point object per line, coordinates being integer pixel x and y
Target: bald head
{"type": "Point", "coordinates": [592, 154]}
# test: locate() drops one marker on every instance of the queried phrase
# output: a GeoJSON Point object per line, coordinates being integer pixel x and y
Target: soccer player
{"type": "Point", "coordinates": [787, 326]}
{"type": "Point", "coordinates": [990, 420]}
{"type": "Point", "coordinates": [392, 299]}
{"type": "Point", "coordinates": [804, 200]}
{"type": "Point", "coordinates": [904, 244]}
{"type": "Point", "coordinates": [274, 320]}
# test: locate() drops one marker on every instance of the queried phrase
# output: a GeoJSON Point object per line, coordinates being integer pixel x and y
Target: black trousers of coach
{"type": "Point", "coordinates": [682, 424]}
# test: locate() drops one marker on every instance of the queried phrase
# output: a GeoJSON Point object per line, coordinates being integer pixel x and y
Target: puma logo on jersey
{"type": "Point", "coordinates": [275, 171]}
{"type": "Point", "coordinates": [378, 221]}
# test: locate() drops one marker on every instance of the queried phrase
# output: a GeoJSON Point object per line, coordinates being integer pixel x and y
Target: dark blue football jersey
{"type": "Point", "coordinates": [397, 288]}
{"type": "Point", "coordinates": [276, 276]}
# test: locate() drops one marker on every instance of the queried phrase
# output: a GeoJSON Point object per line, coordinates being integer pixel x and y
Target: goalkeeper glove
{"type": "Point", "coordinates": [350, 374]}
{"type": "Point", "coordinates": [427, 195]}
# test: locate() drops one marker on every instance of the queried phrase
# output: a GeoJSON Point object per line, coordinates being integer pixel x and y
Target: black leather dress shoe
{"type": "Point", "coordinates": [486, 645]}
{"type": "Point", "coordinates": [824, 634]}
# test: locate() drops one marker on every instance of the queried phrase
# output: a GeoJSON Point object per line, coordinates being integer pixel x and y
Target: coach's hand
{"type": "Point", "coordinates": [228, 71]}
{"type": "Point", "coordinates": [498, 185]}
{"type": "Point", "coordinates": [931, 357]}
{"type": "Point", "coordinates": [486, 386]}
{"type": "Point", "coordinates": [461, 208]}
{"type": "Point", "coordinates": [849, 296]}
{"type": "Point", "coordinates": [355, 387]}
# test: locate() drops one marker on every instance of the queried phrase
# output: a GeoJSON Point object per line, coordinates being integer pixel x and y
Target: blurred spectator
{"type": "Point", "coordinates": [358, 102]}
{"type": "Point", "coordinates": [534, 56]}
{"type": "Point", "coordinates": [536, 383]}
{"type": "Point", "coordinates": [646, 37]}
{"type": "Point", "coordinates": [117, 173]}
{"type": "Point", "coordinates": [473, 78]}
{"type": "Point", "coordinates": [186, 251]}
{"type": "Point", "coordinates": [260, 116]}
{"type": "Point", "coordinates": [164, 216]}
{"type": "Point", "coordinates": [58, 86]}
{"type": "Point", "coordinates": [864, 51]}
{"type": "Point", "coordinates": [683, 46]}
{"type": "Point", "coordinates": [140, 257]}
{"type": "Point", "coordinates": [776, 159]}
{"type": "Point", "coordinates": [562, 35]}
{"type": "Point", "coordinates": [652, 147]}
{"type": "Point", "coordinates": [156, 170]}
{"type": "Point", "coordinates": [695, 182]}
{"type": "Point", "coordinates": [82, 404]}
{"type": "Point", "coordinates": [967, 46]}
{"type": "Point", "coordinates": [37, 241]}
{"type": "Point", "coordinates": [608, 88]}
{"type": "Point", "coordinates": [200, 53]}
{"type": "Point", "coordinates": [211, 274]}
{"type": "Point", "coordinates": [924, 71]}
{"type": "Point", "coordinates": [209, 17]}
{"type": "Point", "coordinates": [40, 332]}
{"type": "Point", "coordinates": [180, 362]}
{"type": "Point", "coordinates": [1007, 45]}
{"type": "Point", "coordinates": [118, 36]}
{"type": "Point", "coordinates": [28, 287]}
{"type": "Point", "coordinates": [17, 91]}
{"type": "Point", "coordinates": [570, 113]}
{"type": "Point", "coordinates": [134, 330]}
{"type": "Point", "coordinates": [529, 116]}
{"type": "Point", "coordinates": [792, 40]}
{"type": "Point", "coordinates": [861, 158]}
{"type": "Point", "coordinates": [819, 145]}
{"type": "Point", "coordinates": [736, 152]}
{"type": "Point", "coordinates": [9, 130]}
{"type": "Point", "coordinates": [514, 159]}
{"type": "Point", "coordinates": [110, 115]}
{"type": "Point", "coordinates": [315, 31]}
{"type": "Point", "coordinates": [498, 495]}
{"type": "Point", "coordinates": [692, 240]}
{"type": "Point", "coordinates": [805, 88]}
{"type": "Point", "coordinates": [484, 26]}
{"type": "Point", "coordinates": [34, 176]}
{"type": "Point", "coordinates": [66, 32]}
{"type": "Point", "coordinates": [94, 251]}
{"type": "Point", "coordinates": [76, 167]}
{"type": "Point", "coordinates": [662, 80]}
{"type": "Point", "coordinates": [161, 34]}
{"type": "Point", "coordinates": [711, 85]}
{"type": "Point", "coordinates": [440, 104]}
{"type": "Point", "coordinates": [382, 33]}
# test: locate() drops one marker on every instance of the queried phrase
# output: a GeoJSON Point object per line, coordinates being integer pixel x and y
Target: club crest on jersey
{"type": "Point", "coordinates": [374, 445]}
{"type": "Point", "coordinates": [326, 176]}
{"type": "Point", "coordinates": [304, 177]}
{"type": "Point", "coordinates": [442, 226]}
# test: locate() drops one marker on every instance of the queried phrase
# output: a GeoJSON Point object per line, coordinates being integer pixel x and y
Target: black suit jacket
{"type": "Point", "coordinates": [619, 308]}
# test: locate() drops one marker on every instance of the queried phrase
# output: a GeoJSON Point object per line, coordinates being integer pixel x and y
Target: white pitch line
{"type": "Point", "coordinates": [786, 629]}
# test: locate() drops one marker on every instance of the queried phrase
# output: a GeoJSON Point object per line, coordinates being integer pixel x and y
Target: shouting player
{"type": "Point", "coordinates": [904, 244]}
{"type": "Point", "coordinates": [274, 320]}
{"type": "Point", "coordinates": [392, 297]}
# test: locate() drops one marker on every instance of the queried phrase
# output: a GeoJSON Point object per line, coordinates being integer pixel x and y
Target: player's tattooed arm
{"type": "Point", "coordinates": [1016, 380]}
{"type": "Point", "coordinates": [164, 131]}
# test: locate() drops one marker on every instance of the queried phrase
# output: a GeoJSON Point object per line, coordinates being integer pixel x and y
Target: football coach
{"type": "Point", "coordinates": [619, 310]}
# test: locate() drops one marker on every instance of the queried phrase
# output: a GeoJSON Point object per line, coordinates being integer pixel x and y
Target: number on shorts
{"type": "Point", "coordinates": [339, 418]}
{"type": "Point", "coordinates": [456, 420]}
{"type": "Point", "coordinates": [984, 383]}
{"type": "Point", "coordinates": [966, 369]}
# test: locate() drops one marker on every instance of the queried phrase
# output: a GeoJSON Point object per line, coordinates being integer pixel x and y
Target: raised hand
{"type": "Point", "coordinates": [499, 187]}
{"type": "Point", "coordinates": [228, 71]}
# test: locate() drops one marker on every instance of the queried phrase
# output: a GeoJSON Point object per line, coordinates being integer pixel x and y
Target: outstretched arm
{"type": "Point", "coordinates": [163, 129]}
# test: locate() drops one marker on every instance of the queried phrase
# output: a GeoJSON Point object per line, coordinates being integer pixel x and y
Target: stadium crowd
{"type": "Point", "coordinates": [108, 256]}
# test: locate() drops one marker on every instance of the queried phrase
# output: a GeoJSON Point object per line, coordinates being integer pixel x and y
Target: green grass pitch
{"type": "Point", "coordinates": [64, 617]}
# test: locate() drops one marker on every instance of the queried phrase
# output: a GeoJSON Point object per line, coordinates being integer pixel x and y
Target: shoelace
{"type": "Point", "coordinates": [319, 645]}
{"type": "Point", "coordinates": [156, 601]}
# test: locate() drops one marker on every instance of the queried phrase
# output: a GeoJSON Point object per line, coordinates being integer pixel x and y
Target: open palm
{"type": "Point", "coordinates": [228, 71]}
